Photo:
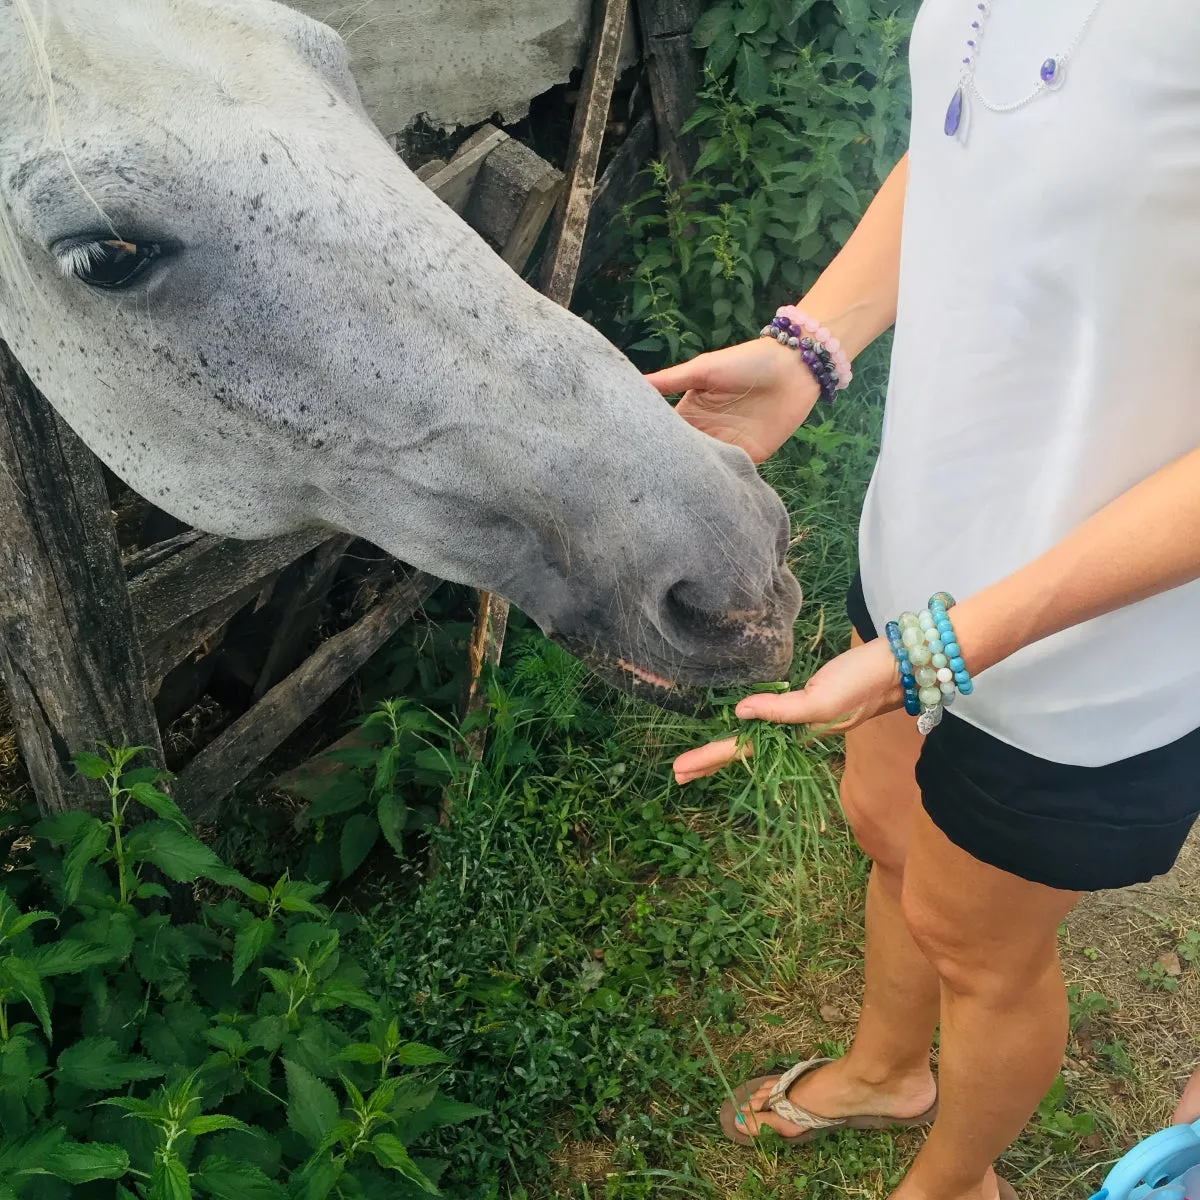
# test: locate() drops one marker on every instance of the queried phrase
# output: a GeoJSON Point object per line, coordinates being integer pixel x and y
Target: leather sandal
{"type": "Point", "coordinates": [811, 1125]}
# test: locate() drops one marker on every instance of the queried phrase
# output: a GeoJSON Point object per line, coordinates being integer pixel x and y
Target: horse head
{"type": "Point", "coordinates": [229, 285]}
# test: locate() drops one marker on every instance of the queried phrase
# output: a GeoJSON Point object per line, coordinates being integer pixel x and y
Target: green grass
{"type": "Point", "coordinates": [592, 929]}
{"type": "Point", "coordinates": [602, 953]}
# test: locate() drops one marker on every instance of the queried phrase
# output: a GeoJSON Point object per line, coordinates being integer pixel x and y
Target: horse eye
{"type": "Point", "coordinates": [108, 263]}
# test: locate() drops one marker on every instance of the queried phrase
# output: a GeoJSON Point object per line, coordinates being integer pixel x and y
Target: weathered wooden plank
{"type": "Point", "coordinates": [68, 644]}
{"type": "Point", "coordinates": [207, 571]}
{"type": "Point", "coordinates": [618, 186]}
{"type": "Point", "coordinates": [192, 636]}
{"type": "Point", "coordinates": [454, 182]}
{"type": "Point", "coordinates": [587, 137]}
{"type": "Point", "coordinates": [140, 561]}
{"type": "Point", "coordinates": [229, 760]}
{"type": "Point", "coordinates": [512, 200]}
{"type": "Point", "coordinates": [674, 70]}
{"type": "Point", "coordinates": [296, 613]}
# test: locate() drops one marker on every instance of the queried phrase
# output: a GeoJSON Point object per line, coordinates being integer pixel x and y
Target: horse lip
{"type": "Point", "coordinates": [644, 676]}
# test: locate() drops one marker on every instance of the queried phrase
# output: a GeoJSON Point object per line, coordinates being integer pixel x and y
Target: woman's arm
{"type": "Point", "coordinates": [757, 394]}
{"type": "Point", "coordinates": [855, 297]}
{"type": "Point", "coordinates": [1145, 542]}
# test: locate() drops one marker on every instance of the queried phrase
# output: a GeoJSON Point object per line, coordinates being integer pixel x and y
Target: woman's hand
{"type": "Point", "coordinates": [754, 395]}
{"type": "Point", "coordinates": [853, 688]}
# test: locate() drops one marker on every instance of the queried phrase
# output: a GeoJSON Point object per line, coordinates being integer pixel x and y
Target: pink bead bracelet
{"type": "Point", "coordinates": [822, 337]}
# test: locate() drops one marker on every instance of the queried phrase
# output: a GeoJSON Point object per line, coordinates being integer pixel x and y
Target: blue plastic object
{"type": "Point", "coordinates": [1153, 1164]}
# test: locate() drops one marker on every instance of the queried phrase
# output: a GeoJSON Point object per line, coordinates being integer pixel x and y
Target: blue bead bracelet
{"type": "Point", "coordinates": [939, 608]}
{"type": "Point", "coordinates": [912, 703]}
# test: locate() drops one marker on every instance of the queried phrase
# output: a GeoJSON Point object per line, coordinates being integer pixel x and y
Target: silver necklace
{"type": "Point", "coordinates": [1050, 74]}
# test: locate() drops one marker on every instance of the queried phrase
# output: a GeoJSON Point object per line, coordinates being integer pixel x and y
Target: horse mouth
{"type": "Point", "coordinates": [657, 688]}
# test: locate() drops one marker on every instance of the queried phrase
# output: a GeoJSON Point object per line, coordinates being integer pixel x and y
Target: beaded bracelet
{"type": "Point", "coordinates": [823, 338]}
{"type": "Point", "coordinates": [932, 669]}
{"type": "Point", "coordinates": [821, 351]}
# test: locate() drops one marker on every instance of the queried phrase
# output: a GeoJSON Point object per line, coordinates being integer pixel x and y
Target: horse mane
{"type": "Point", "coordinates": [14, 268]}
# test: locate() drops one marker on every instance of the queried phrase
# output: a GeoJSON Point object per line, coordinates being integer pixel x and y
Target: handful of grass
{"type": "Point", "coordinates": [787, 780]}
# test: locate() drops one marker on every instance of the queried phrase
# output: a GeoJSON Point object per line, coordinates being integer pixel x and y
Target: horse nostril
{"type": "Point", "coordinates": [685, 612]}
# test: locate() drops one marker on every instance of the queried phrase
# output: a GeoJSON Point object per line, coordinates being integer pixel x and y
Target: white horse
{"type": "Point", "coordinates": [228, 284]}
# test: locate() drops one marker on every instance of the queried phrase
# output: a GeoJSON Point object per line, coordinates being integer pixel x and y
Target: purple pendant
{"type": "Point", "coordinates": [1049, 71]}
{"type": "Point", "coordinates": [954, 114]}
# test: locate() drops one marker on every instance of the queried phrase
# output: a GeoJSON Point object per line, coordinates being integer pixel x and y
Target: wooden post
{"type": "Point", "coordinates": [583, 160]}
{"type": "Point", "coordinates": [69, 649]}
{"type": "Point", "coordinates": [559, 272]}
{"type": "Point", "coordinates": [674, 69]}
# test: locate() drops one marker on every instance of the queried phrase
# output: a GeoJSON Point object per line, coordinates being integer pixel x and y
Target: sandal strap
{"type": "Point", "coordinates": [778, 1102]}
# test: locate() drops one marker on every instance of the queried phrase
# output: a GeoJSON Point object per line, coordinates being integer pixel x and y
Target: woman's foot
{"type": "Point", "coordinates": [837, 1090]}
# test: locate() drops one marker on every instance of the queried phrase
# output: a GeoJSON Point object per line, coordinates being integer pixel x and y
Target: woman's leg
{"type": "Point", "coordinates": [886, 1072]}
{"type": "Point", "coordinates": [992, 939]}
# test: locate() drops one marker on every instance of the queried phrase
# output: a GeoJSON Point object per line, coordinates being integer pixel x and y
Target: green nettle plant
{"type": "Point", "coordinates": [800, 121]}
{"type": "Point", "coordinates": [236, 1057]}
{"type": "Point", "coordinates": [409, 753]}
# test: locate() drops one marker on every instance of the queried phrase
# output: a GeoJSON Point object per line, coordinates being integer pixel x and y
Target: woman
{"type": "Point", "coordinates": [1038, 250]}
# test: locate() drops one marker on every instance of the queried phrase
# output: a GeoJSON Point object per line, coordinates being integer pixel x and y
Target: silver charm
{"type": "Point", "coordinates": [929, 720]}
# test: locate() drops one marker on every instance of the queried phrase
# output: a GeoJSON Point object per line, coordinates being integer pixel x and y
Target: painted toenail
{"type": "Point", "coordinates": [740, 1119]}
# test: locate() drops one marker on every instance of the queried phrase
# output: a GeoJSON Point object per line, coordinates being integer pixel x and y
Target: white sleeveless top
{"type": "Point", "coordinates": [1047, 352]}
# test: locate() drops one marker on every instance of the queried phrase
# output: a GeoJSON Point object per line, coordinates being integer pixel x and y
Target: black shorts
{"type": "Point", "coordinates": [1083, 829]}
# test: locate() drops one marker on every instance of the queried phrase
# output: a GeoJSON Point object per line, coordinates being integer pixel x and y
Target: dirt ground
{"type": "Point", "coordinates": [1135, 1041]}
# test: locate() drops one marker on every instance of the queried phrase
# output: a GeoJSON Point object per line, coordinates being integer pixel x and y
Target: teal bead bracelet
{"type": "Point", "coordinates": [933, 670]}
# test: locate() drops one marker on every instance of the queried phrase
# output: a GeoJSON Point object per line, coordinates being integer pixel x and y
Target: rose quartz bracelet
{"type": "Point", "coordinates": [823, 339]}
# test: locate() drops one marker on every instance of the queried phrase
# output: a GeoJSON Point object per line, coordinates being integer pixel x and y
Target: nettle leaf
{"type": "Point", "coordinates": [159, 803]}
{"type": "Point", "coordinates": [255, 936]}
{"type": "Point", "coordinates": [26, 920]}
{"type": "Point", "coordinates": [710, 24]}
{"type": "Point", "coordinates": [391, 1153]}
{"type": "Point", "coordinates": [297, 896]}
{"type": "Point", "coordinates": [754, 15]}
{"type": "Point", "coordinates": [340, 993]}
{"type": "Point", "coordinates": [360, 1052]}
{"type": "Point", "coordinates": [215, 1123]}
{"type": "Point", "coordinates": [312, 1109]}
{"type": "Point", "coordinates": [70, 957]}
{"type": "Point", "coordinates": [78, 1163]}
{"type": "Point", "coordinates": [267, 1033]}
{"type": "Point", "coordinates": [414, 1054]}
{"type": "Point", "coordinates": [169, 1180]}
{"type": "Point", "coordinates": [344, 795]}
{"type": "Point", "coordinates": [228, 1179]}
{"type": "Point", "coordinates": [89, 843]}
{"type": "Point", "coordinates": [752, 78]}
{"type": "Point", "coordinates": [91, 766]}
{"type": "Point", "coordinates": [445, 1111]}
{"type": "Point", "coordinates": [17, 1154]}
{"type": "Point", "coordinates": [393, 817]}
{"type": "Point", "coordinates": [855, 14]}
{"type": "Point", "coordinates": [18, 979]}
{"type": "Point", "coordinates": [138, 775]}
{"type": "Point", "coordinates": [62, 829]}
{"type": "Point", "coordinates": [721, 53]}
{"type": "Point", "coordinates": [98, 1064]}
{"type": "Point", "coordinates": [317, 1178]}
{"type": "Point", "coordinates": [180, 855]}
{"type": "Point", "coordinates": [359, 836]}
